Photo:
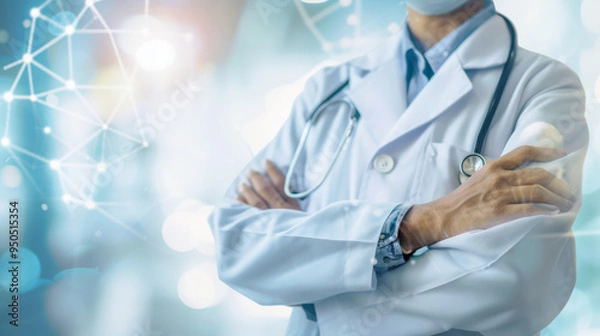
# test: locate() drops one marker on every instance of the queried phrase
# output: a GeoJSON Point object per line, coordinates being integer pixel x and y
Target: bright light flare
{"type": "Point", "coordinates": [27, 58]}
{"type": "Point", "coordinates": [155, 55]}
{"type": "Point", "coordinates": [101, 167]}
{"type": "Point", "coordinates": [70, 84]}
{"type": "Point", "coordinates": [8, 97]}
{"type": "Point", "coordinates": [55, 165]}
{"type": "Point", "coordinates": [69, 30]}
{"type": "Point", "coordinates": [35, 12]}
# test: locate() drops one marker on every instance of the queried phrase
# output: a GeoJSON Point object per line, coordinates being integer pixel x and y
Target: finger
{"type": "Point", "coordinates": [532, 176]}
{"type": "Point", "coordinates": [515, 211]}
{"type": "Point", "coordinates": [538, 194]}
{"type": "Point", "coordinates": [525, 154]}
{"type": "Point", "coordinates": [275, 175]}
{"type": "Point", "coordinates": [252, 198]}
{"type": "Point", "coordinates": [242, 199]}
{"type": "Point", "coordinates": [266, 191]}
{"type": "Point", "coordinates": [278, 180]}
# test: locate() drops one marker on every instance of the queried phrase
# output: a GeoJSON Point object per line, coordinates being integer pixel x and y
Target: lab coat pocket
{"type": "Point", "coordinates": [440, 172]}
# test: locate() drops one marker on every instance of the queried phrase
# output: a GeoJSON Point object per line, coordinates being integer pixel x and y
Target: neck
{"type": "Point", "coordinates": [432, 29]}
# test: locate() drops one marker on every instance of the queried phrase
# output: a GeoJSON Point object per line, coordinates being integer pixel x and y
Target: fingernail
{"type": "Point", "coordinates": [241, 187]}
{"type": "Point", "coordinates": [250, 173]}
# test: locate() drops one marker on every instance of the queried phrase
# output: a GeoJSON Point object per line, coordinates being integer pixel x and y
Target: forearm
{"type": "Point", "coordinates": [291, 257]}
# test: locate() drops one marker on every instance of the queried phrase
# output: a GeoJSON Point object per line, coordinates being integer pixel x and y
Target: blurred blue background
{"type": "Point", "coordinates": [123, 122]}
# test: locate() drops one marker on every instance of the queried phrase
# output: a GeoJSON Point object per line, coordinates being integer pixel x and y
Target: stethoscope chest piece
{"type": "Point", "coordinates": [470, 165]}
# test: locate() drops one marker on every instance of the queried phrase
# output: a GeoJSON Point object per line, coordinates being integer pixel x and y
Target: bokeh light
{"type": "Point", "coordinates": [187, 228]}
{"type": "Point", "coordinates": [199, 288]}
{"type": "Point", "coordinates": [29, 270]}
{"type": "Point", "coordinates": [155, 55]}
{"type": "Point", "coordinates": [11, 176]}
{"type": "Point", "coordinates": [590, 9]}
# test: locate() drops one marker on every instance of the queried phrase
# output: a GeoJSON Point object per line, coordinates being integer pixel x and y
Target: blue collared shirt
{"type": "Point", "coordinates": [421, 65]}
{"type": "Point", "coordinates": [423, 62]}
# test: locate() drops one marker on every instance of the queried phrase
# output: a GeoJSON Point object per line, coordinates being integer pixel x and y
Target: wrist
{"type": "Point", "coordinates": [421, 226]}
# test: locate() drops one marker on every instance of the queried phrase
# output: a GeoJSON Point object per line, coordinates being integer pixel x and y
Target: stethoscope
{"type": "Point", "coordinates": [470, 165]}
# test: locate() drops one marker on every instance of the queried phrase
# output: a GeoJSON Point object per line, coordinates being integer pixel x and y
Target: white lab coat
{"type": "Point", "coordinates": [509, 280]}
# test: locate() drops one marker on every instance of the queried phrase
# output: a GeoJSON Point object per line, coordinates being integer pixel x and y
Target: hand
{"type": "Point", "coordinates": [266, 194]}
{"type": "Point", "coordinates": [497, 194]}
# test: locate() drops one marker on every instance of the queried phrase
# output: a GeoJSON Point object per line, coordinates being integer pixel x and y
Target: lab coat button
{"type": "Point", "coordinates": [383, 163]}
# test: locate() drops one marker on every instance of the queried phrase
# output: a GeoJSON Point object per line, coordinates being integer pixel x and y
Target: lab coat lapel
{"type": "Point", "coordinates": [380, 98]}
{"type": "Point", "coordinates": [446, 87]}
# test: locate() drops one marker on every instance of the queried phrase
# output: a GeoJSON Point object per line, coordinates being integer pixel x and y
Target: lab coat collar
{"type": "Point", "coordinates": [378, 86]}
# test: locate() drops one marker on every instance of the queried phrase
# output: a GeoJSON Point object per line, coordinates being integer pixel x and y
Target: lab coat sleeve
{"type": "Point", "coordinates": [512, 279]}
{"type": "Point", "coordinates": [287, 257]}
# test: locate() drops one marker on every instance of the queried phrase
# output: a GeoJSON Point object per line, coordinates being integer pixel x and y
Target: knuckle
{"type": "Point", "coordinates": [540, 172]}
{"type": "Point", "coordinates": [527, 151]}
{"type": "Point", "coordinates": [498, 208]}
{"type": "Point", "coordinates": [537, 191]}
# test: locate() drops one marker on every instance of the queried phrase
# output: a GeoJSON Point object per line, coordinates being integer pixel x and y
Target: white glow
{"type": "Point", "coordinates": [70, 84]}
{"type": "Point", "coordinates": [259, 131]}
{"type": "Point", "coordinates": [197, 289]}
{"type": "Point", "coordinates": [394, 28]}
{"type": "Point", "coordinates": [542, 134]}
{"type": "Point", "coordinates": [5, 142]}
{"type": "Point", "coordinates": [90, 205]}
{"type": "Point", "coordinates": [345, 3]}
{"type": "Point", "coordinates": [187, 228]}
{"type": "Point", "coordinates": [590, 10]}
{"type": "Point", "coordinates": [66, 198]}
{"type": "Point", "coordinates": [35, 12]}
{"type": "Point", "coordinates": [189, 37]}
{"type": "Point", "coordinates": [200, 231]}
{"type": "Point", "coordinates": [543, 24]}
{"type": "Point", "coordinates": [314, 1]}
{"type": "Point", "coordinates": [52, 100]}
{"type": "Point", "coordinates": [105, 127]}
{"type": "Point", "coordinates": [33, 98]}
{"type": "Point", "coordinates": [55, 164]}
{"type": "Point", "coordinates": [155, 55]}
{"type": "Point", "coordinates": [89, 3]}
{"type": "Point", "coordinates": [353, 20]}
{"type": "Point", "coordinates": [101, 167]}
{"type": "Point", "coordinates": [597, 89]}
{"type": "Point", "coordinates": [47, 130]}
{"type": "Point", "coordinates": [176, 232]}
{"type": "Point", "coordinates": [8, 97]}
{"type": "Point", "coordinates": [69, 30]}
{"type": "Point", "coordinates": [45, 207]}
{"type": "Point", "coordinates": [253, 309]}
{"type": "Point", "coordinates": [145, 144]}
{"type": "Point", "coordinates": [11, 176]}
{"type": "Point", "coordinates": [27, 58]}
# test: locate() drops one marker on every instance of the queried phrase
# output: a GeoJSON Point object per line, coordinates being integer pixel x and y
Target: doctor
{"type": "Point", "coordinates": [391, 243]}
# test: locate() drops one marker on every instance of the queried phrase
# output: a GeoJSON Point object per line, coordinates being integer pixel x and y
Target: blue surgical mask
{"type": "Point", "coordinates": [435, 7]}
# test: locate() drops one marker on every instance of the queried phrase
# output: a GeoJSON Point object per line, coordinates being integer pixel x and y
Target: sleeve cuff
{"type": "Point", "coordinates": [389, 253]}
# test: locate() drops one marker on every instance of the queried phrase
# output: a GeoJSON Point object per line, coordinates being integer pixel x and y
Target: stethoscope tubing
{"type": "Point", "coordinates": [355, 116]}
